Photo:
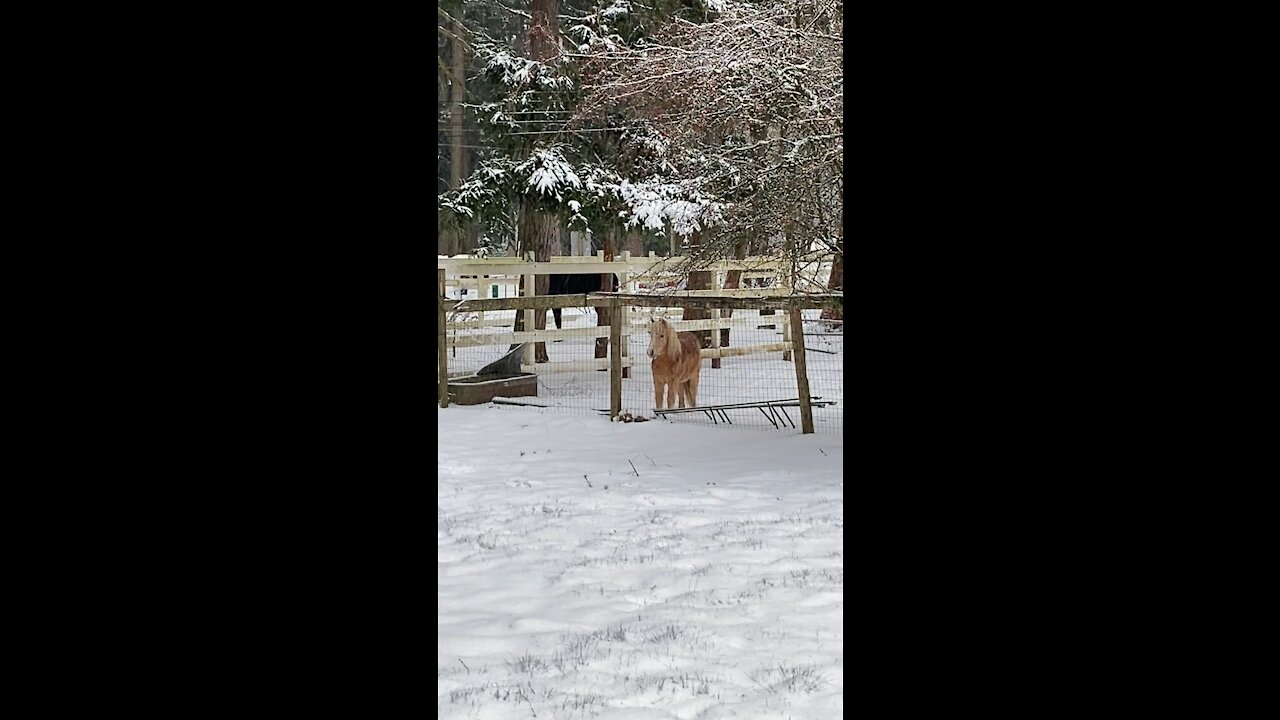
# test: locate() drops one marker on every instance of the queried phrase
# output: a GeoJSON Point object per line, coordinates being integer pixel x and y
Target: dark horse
{"type": "Point", "coordinates": [575, 285]}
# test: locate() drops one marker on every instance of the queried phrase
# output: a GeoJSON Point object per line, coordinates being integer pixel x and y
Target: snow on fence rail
{"type": "Point", "coordinates": [499, 277]}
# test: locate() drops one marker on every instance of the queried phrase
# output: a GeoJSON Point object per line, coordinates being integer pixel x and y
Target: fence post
{"type": "Point", "coordinates": [615, 357]}
{"type": "Point", "coordinates": [441, 321]}
{"type": "Point", "coordinates": [480, 295]}
{"type": "Point", "coordinates": [802, 371]}
{"type": "Point", "coordinates": [530, 290]}
{"type": "Point", "coordinates": [626, 339]}
{"type": "Point", "coordinates": [788, 329]}
{"type": "Point", "coordinates": [788, 335]}
{"type": "Point", "coordinates": [716, 314]}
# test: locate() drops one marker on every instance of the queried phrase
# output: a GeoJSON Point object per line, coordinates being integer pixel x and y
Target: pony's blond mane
{"type": "Point", "coordinates": [673, 339]}
{"type": "Point", "coordinates": [671, 347]}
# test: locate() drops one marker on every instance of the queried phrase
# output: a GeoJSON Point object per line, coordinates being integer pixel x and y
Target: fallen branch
{"type": "Point", "coordinates": [500, 401]}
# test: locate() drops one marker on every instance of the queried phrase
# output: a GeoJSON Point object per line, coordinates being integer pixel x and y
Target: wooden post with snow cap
{"type": "Point", "coordinates": [615, 357]}
{"type": "Point", "coordinates": [530, 290]}
{"type": "Point", "coordinates": [626, 282]}
{"type": "Point", "coordinates": [802, 371]}
{"type": "Point", "coordinates": [788, 328]}
{"type": "Point", "coordinates": [441, 345]}
{"type": "Point", "coordinates": [716, 314]}
{"type": "Point", "coordinates": [623, 280]}
{"type": "Point", "coordinates": [787, 335]}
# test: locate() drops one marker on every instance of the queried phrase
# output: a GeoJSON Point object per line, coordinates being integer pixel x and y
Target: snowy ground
{"type": "Point", "coordinates": [739, 379]}
{"type": "Point", "coordinates": [589, 569]}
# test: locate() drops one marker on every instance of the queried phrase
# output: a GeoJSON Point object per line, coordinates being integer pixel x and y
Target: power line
{"type": "Point", "coordinates": [511, 112]}
{"type": "Point", "coordinates": [476, 147]}
{"type": "Point", "coordinates": [551, 132]}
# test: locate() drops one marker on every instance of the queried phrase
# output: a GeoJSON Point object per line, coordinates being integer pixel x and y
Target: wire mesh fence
{"type": "Point", "coordinates": [569, 365]}
{"type": "Point", "coordinates": [824, 353]}
{"type": "Point", "coordinates": [741, 383]}
{"type": "Point", "coordinates": [753, 382]}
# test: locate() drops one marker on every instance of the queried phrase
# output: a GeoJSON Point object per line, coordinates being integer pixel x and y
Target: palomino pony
{"type": "Point", "coordinates": [677, 362]}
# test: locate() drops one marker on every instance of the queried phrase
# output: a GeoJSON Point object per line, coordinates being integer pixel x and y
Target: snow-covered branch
{"type": "Point", "coordinates": [750, 105]}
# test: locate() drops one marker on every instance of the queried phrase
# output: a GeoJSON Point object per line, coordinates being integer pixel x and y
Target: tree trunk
{"type": "Point", "coordinates": [699, 280]}
{"type": "Point", "coordinates": [472, 237]}
{"type": "Point", "coordinates": [544, 32]}
{"type": "Point", "coordinates": [442, 99]}
{"type": "Point", "coordinates": [789, 250]}
{"type": "Point", "coordinates": [519, 326]}
{"type": "Point", "coordinates": [766, 243]}
{"type": "Point", "coordinates": [763, 249]}
{"type": "Point", "coordinates": [453, 231]}
{"type": "Point", "coordinates": [539, 230]}
{"type": "Point", "coordinates": [732, 281]}
{"type": "Point", "coordinates": [539, 233]}
{"type": "Point", "coordinates": [836, 282]}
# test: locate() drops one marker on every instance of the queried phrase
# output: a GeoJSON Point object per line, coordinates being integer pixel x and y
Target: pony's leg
{"type": "Point", "coordinates": [692, 384]}
{"type": "Point", "coordinates": [657, 395]}
{"type": "Point", "coordinates": [673, 396]}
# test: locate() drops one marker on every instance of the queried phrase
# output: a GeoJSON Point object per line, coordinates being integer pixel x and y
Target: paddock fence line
{"type": "Point", "coordinates": [492, 278]}
{"type": "Point", "coordinates": [763, 368]}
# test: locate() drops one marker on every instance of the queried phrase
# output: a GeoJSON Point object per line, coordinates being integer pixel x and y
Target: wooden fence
{"type": "Point", "coordinates": [480, 277]}
{"type": "Point", "coordinates": [620, 304]}
{"type": "Point", "coordinates": [635, 274]}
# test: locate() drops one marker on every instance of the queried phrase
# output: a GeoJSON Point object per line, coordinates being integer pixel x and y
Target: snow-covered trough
{"type": "Point", "coordinates": [480, 389]}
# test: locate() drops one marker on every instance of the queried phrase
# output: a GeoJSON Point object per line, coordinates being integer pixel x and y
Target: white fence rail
{"type": "Point", "coordinates": [460, 336]}
{"type": "Point", "coordinates": [500, 277]}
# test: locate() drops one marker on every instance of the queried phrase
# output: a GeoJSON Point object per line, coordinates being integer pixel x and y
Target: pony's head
{"type": "Point", "coordinates": [663, 339]}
